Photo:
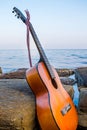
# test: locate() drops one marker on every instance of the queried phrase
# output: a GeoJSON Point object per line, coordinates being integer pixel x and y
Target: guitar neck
{"type": "Point", "coordinates": [41, 51]}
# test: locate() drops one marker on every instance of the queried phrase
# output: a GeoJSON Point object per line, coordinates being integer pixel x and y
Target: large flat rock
{"type": "Point", "coordinates": [17, 105]}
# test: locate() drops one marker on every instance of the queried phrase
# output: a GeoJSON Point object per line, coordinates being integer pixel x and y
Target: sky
{"type": "Point", "coordinates": [59, 24]}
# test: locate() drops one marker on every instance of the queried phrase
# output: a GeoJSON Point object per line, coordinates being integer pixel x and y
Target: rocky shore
{"type": "Point", "coordinates": [17, 102]}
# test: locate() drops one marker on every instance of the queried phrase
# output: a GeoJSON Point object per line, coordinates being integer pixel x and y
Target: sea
{"type": "Point", "coordinates": [11, 60]}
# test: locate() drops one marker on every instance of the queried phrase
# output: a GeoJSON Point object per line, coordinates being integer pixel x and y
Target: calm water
{"type": "Point", "coordinates": [11, 60]}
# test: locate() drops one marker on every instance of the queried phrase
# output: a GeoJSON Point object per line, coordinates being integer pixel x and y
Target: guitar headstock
{"type": "Point", "coordinates": [19, 14]}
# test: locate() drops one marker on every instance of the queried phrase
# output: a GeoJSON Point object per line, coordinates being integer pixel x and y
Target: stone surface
{"type": "Point", "coordinates": [17, 105]}
{"type": "Point", "coordinates": [82, 108]}
{"type": "Point", "coordinates": [19, 74]}
{"type": "Point", "coordinates": [83, 100]}
{"type": "Point", "coordinates": [64, 72]}
{"type": "Point", "coordinates": [0, 70]}
{"type": "Point", "coordinates": [82, 119]}
{"type": "Point", "coordinates": [81, 76]}
{"type": "Point", "coordinates": [70, 90]}
{"type": "Point", "coordinates": [67, 80]}
{"type": "Point", "coordinates": [81, 128]}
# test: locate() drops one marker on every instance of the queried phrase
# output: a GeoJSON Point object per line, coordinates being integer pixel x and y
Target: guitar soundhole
{"type": "Point", "coordinates": [54, 83]}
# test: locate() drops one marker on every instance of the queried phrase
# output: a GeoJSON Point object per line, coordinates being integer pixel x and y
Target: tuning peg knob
{"type": "Point", "coordinates": [13, 11]}
{"type": "Point", "coordinates": [18, 16]}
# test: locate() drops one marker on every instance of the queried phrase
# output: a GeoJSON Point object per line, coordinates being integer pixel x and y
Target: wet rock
{"type": "Point", "coordinates": [64, 72]}
{"type": "Point", "coordinates": [0, 70]}
{"type": "Point", "coordinates": [22, 69]}
{"type": "Point", "coordinates": [82, 120]}
{"type": "Point", "coordinates": [82, 108]}
{"type": "Point", "coordinates": [81, 76]}
{"type": "Point", "coordinates": [19, 74]}
{"type": "Point", "coordinates": [67, 81]}
{"type": "Point", "coordinates": [70, 90]}
{"type": "Point", "coordinates": [83, 100]}
{"type": "Point", "coordinates": [81, 128]}
{"type": "Point", "coordinates": [17, 105]}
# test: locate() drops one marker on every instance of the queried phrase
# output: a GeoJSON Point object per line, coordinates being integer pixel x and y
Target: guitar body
{"type": "Point", "coordinates": [55, 109]}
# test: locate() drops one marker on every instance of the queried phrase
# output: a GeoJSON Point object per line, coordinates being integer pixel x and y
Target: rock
{"type": "Point", "coordinates": [82, 120]}
{"type": "Point", "coordinates": [67, 81]}
{"type": "Point", "coordinates": [82, 108]}
{"type": "Point", "coordinates": [81, 76]}
{"type": "Point", "coordinates": [83, 100]}
{"type": "Point", "coordinates": [70, 90]}
{"type": "Point", "coordinates": [0, 70]}
{"type": "Point", "coordinates": [64, 72]}
{"type": "Point", "coordinates": [22, 69]}
{"type": "Point", "coordinates": [19, 74]}
{"type": "Point", "coordinates": [81, 128]}
{"type": "Point", "coordinates": [17, 105]}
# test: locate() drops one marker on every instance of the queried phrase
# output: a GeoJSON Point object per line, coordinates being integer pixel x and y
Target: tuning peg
{"type": "Point", "coordinates": [18, 16]}
{"type": "Point", "coordinates": [13, 11]}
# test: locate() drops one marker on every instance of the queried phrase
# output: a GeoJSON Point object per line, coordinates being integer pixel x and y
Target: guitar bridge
{"type": "Point", "coordinates": [66, 109]}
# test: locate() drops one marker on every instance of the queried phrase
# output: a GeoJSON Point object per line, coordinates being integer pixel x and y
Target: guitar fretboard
{"type": "Point", "coordinates": [41, 52]}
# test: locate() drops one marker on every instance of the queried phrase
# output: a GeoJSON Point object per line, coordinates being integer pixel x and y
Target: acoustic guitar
{"type": "Point", "coordinates": [54, 107]}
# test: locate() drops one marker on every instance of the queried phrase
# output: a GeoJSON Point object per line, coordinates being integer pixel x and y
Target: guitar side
{"type": "Point", "coordinates": [51, 101]}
